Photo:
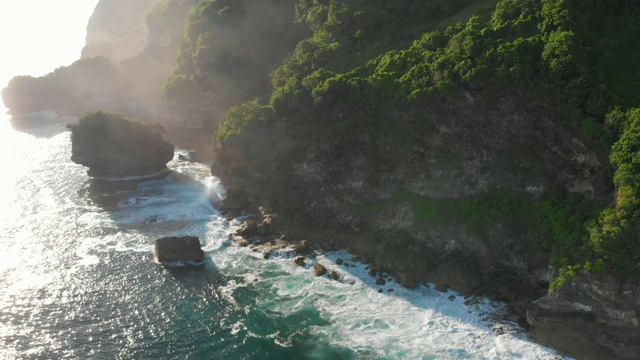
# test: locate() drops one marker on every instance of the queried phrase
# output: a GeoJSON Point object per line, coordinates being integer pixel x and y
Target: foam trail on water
{"type": "Point", "coordinates": [402, 324]}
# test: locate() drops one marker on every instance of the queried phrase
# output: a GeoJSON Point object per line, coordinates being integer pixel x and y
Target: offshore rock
{"type": "Point", "coordinates": [112, 146]}
{"type": "Point", "coordinates": [591, 317]}
{"type": "Point", "coordinates": [179, 251]}
{"type": "Point", "coordinates": [319, 269]}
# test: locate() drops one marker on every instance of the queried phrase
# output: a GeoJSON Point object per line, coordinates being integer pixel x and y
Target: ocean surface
{"type": "Point", "coordinates": [78, 278]}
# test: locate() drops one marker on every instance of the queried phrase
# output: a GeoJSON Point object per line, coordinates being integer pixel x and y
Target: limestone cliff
{"type": "Point", "coordinates": [117, 30]}
{"type": "Point", "coordinates": [593, 316]}
{"type": "Point", "coordinates": [482, 156]}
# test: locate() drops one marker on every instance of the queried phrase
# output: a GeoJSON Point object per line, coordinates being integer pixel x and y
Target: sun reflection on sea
{"type": "Point", "coordinates": [9, 164]}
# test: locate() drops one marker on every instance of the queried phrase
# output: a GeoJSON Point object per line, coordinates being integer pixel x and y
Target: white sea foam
{"type": "Point", "coordinates": [403, 324]}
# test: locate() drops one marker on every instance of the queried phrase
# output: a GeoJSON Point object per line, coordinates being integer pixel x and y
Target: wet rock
{"type": "Point", "coordinates": [381, 281]}
{"type": "Point", "coordinates": [441, 288]}
{"type": "Point", "coordinates": [268, 244]}
{"type": "Point", "coordinates": [249, 228]}
{"type": "Point", "coordinates": [334, 275]}
{"type": "Point", "coordinates": [236, 199]}
{"type": "Point", "coordinates": [303, 248]}
{"type": "Point", "coordinates": [300, 261]}
{"type": "Point", "coordinates": [239, 241]}
{"type": "Point", "coordinates": [264, 228]}
{"type": "Point", "coordinates": [319, 269]}
{"type": "Point", "coordinates": [339, 261]}
{"type": "Point", "coordinates": [390, 290]}
{"type": "Point", "coordinates": [177, 251]}
{"type": "Point", "coordinates": [452, 298]}
{"type": "Point", "coordinates": [182, 157]}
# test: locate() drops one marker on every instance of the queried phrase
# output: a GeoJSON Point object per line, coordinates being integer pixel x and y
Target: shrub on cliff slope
{"type": "Point", "coordinates": [358, 69]}
{"type": "Point", "coordinates": [226, 54]}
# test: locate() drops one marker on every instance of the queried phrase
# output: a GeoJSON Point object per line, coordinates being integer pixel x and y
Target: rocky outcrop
{"type": "Point", "coordinates": [112, 146]}
{"type": "Point", "coordinates": [592, 317]}
{"type": "Point", "coordinates": [179, 251]}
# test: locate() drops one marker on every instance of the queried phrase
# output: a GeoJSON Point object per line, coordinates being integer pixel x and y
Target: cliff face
{"type": "Point", "coordinates": [410, 204]}
{"type": "Point", "coordinates": [118, 39]}
{"type": "Point", "coordinates": [478, 157]}
{"type": "Point", "coordinates": [591, 316]}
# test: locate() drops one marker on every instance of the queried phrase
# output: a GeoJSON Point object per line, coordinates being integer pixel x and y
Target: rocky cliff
{"type": "Point", "coordinates": [592, 316]}
{"type": "Point", "coordinates": [483, 156]}
{"type": "Point", "coordinates": [119, 39]}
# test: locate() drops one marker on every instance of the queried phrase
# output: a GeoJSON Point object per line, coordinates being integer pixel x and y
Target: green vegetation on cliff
{"type": "Point", "coordinates": [377, 79]}
{"type": "Point", "coordinates": [227, 52]}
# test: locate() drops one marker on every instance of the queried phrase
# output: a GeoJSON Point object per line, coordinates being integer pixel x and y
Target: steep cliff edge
{"type": "Point", "coordinates": [493, 157]}
{"type": "Point", "coordinates": [590, 316]}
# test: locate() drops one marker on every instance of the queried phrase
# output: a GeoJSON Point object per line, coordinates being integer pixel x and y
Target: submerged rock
{"type": "Point", "coordinates": [113, 146]}
{"type": "Point", "coordinates": [179, 251]}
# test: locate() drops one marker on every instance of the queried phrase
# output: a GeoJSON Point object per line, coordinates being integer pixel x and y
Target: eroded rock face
{"type": "Point", "coordinates": [178, 251]}
{"type": "Point", "coordinates": [112, 146]}
{"type": "Point", "coordinates": [122, 39]}
{"type": "Point", "coordinates": [592, 317]}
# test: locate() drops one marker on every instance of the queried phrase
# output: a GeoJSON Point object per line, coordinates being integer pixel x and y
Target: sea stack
{"type": "Point", "coordinates": [112, 146]}
{"type": "Point", "coordinates": [179, 251]}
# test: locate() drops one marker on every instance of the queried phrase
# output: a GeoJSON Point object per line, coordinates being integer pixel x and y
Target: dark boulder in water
{"type": "Point", "coordinates": [179, 251]}
{"type": "Point", "coordinates": [319, 269]}
{"type": "Point", "coordinates": [113, 146]}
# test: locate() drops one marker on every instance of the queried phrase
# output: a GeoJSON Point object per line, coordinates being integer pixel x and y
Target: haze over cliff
{"type": "Point", "coordinates": [486, 146]}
